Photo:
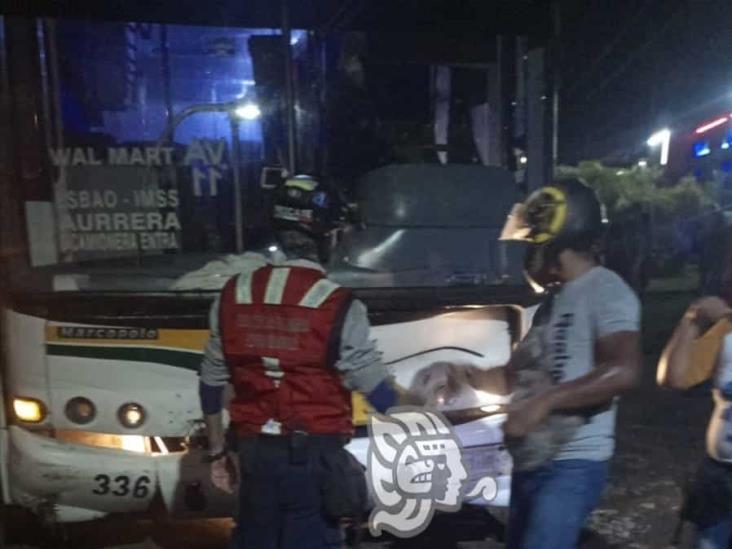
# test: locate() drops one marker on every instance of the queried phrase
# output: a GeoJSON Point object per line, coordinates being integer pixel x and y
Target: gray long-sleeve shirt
{"type": "Point", "coordinates": [359, 360]}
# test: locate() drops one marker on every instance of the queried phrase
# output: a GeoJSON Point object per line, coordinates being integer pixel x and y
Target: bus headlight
{"type": "Point", "coordinates": [29, 410]}
{"type": "Point", "coordinates": [80, 410]}
{"type": "Point", "coordinates": [131, 415]}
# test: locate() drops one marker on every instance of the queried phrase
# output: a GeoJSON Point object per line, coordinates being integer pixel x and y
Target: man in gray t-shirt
{"type": "Point", "coordinates": [587, 309]}
{"type": "Point", "coordinates": [590, 354]}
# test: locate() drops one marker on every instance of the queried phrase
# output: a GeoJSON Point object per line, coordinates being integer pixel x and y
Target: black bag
{"type": "Point", "coordinates": [343, 485]}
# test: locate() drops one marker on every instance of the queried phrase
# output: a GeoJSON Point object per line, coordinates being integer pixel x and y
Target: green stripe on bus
{"type": "Point", "coordinates": [179, 359]}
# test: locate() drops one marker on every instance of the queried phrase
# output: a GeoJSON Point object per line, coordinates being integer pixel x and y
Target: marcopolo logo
{"type": "Point", "coordinates": [93, 332]}
{"type": "Point", "coordinates": [415, 467]}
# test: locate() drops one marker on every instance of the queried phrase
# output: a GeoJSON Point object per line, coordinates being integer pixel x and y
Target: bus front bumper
{"type": "Point", "coordinates": [78, 482]}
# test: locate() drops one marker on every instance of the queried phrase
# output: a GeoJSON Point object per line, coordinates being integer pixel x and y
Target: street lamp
{"type": "Point", "coordinates": [248, 111]}
{"type": "Point", "coordinates": [662, 138]}
{"type": "Point", "coordinates": [235, 111]}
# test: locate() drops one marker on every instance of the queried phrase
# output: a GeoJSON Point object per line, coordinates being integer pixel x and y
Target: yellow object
{"type": "Point", "coordinates": [361, 409]}
{"type": "Point", "coordinates": [704, 354]}
{"type": "Point", "coordinates": [304, 184]}
{"type": "Point", "coordinates": [558, 215]}
{"type": "Point", "coordinates": [29, 410]}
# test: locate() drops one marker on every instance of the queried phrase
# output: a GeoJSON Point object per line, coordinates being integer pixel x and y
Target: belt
{"type": "Point", "coordinates": [298, 447]}
{"type": "Point", "coordinates": [312, 440]}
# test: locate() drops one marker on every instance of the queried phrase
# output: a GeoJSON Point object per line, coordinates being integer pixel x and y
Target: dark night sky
{"type": "Point", "coordinates": [630, 67]}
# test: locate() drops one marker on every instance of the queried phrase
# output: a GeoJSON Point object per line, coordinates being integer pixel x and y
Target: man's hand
{"type": "Point", "coordinates": [494, 380]}
{"type": "Point", "coordinates": [683, 363]}
{"type": "Point", "coordinates": [440, 383]}
{"type": "Point", "coordinates": [223, 474]}
{"type": "Point", "coordinates": [525, 416]}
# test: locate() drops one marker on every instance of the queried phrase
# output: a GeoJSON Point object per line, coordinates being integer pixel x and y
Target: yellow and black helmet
{"type": "Point", "coordinates": [565, 214]}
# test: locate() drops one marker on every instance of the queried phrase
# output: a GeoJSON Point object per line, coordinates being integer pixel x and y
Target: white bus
{"type": "Point", "coordinates": [114, 247]}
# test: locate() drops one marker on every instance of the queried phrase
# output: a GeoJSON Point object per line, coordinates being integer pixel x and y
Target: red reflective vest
{"type": "Point", "coordinates": [280, 329]}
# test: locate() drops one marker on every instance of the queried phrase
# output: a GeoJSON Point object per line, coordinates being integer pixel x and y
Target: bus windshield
{"type": "Point", "coordinates": [156, 143]}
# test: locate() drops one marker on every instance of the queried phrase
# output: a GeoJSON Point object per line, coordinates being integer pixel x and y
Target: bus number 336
{"type": "Point", "coordinates": [122, 486]}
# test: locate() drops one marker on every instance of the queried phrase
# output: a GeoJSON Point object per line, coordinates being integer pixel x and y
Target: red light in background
{"type": "Point", "coordinates": [711, 125]}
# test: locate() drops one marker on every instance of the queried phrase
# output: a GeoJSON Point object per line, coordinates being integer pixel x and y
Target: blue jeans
{"type": "Point", "coordinates": [717, 536]}
{"type": "Point", "coordinates": [280, 504]}
{"type": "Point", "coordinates": [549, 505]}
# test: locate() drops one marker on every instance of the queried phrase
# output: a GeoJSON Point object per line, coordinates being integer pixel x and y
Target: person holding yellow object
{"type": "Point", "coordinates": [699, 350]}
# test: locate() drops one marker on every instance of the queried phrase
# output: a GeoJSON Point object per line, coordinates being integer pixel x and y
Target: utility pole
{"type": "Point", "coordinates": [289, 89]}
{"type": "Point", "coordinates": [556, 80]}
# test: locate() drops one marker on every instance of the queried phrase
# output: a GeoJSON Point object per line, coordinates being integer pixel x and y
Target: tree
{"type": "Point", "coordinates": [629, 191]}
{"type": "Point", "coordinates": [647, 215]}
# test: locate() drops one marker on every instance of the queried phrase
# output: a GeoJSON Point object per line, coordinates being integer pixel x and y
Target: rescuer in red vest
{"type": "Point", "coordinates": [294, 345]}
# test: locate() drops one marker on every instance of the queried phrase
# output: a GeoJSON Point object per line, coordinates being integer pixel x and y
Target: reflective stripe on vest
{"type": "Point", "coordinates": [244, 288]}
{"type": "Point", "coordinates": [276, 286]}
{"type": "Point", "coordinates": [272, 367]}
{"type": "Point", "coordinates": [318, 293]}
